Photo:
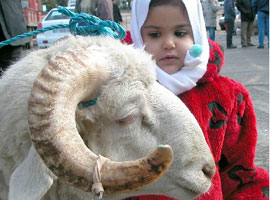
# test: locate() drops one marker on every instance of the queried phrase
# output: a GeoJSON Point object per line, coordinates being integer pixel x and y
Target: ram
{"type": "Point", "coordinates": [88, 115]}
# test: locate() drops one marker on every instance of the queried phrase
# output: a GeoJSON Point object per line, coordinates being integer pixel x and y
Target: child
{"type": "Point", "coordinates": [168, 29]}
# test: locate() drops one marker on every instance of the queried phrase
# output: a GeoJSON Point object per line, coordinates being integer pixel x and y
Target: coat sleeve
{"type": "Point", "coordinates": [240, 7]}
{"type": "Point", "coordinates": [203, 8]}
{"type": "Point", "coordinates": [215, 5]}
{"type": "Point", "coordinates": [120, 16]}
{"type": "Point", "coordinates": [78, 6]}
{"type": "Point", "coordinates": [240, 178]}
{"type": "Point", "coordinates": [254, 5]}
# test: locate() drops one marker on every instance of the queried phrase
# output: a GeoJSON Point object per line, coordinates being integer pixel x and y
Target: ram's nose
{"type": "Point", "coordinates": [209, 169]}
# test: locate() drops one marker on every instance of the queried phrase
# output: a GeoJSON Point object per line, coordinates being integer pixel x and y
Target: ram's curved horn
{"type": "Point", "coordinates": [61, 85]}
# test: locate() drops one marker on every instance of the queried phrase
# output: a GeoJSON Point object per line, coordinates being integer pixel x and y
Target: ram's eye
{"type": "Point", "coordinates": [146, 121]}
{"type": "Point", "coordinates": [127, 120]}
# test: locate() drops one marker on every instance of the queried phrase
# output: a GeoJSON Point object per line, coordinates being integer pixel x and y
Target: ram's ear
{"type": "Point", "coordinates": [31, 179]}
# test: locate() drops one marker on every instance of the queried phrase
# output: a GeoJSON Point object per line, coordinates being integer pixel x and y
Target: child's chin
{"type": "Point", "coordinates": [170, 68]}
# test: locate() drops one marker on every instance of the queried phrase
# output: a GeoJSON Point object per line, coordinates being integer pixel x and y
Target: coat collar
{"type": "Point", "coordinates": [215, 62]}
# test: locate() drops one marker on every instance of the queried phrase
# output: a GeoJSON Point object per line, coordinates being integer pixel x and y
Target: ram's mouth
{"type": "Point", "coordinates": [191, 191]}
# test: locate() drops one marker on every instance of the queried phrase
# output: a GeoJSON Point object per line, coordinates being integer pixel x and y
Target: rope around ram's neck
{"type": "Point", "coordinates": [79, 24]}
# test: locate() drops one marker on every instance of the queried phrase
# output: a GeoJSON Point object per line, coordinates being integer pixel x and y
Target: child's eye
{"type": "Point", "coordinates": [154, 35]}
{"type": "Point", "coordinates": [180, 33]}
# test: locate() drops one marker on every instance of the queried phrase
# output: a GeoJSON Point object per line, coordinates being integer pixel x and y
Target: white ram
{"type": "Point", "coordinates": [46, 133]}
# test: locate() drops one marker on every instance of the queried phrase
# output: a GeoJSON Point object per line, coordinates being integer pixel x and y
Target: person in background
{"type": "Point", "coordinates": [261, 7]}
{"type": "Point", "coordinates": [100, 8]}
{"type": "Point", "coordinates": [116, 13]}
{"type": "Point", "coordinates": [11, 24]}
{"type": "Point", "coordinates": [105, 10]}
{"type": "Point", "coordinates": [210, 8]}
{"type": "Point", "coordinates": [229, 13]}
{"type": "Point", "coordinates": [169, 30]}
{"type": "Point", "coordinates": [247, 18]}
{"type": "Point", "coordinates": [86, 6]}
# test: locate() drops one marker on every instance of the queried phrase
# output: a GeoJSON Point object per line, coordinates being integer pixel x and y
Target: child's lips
{"type": "Point", "coordinates": [169, 58]}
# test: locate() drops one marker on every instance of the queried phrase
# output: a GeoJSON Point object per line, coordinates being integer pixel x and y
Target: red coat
{"type": "Point", "coordinates": [225, 112]}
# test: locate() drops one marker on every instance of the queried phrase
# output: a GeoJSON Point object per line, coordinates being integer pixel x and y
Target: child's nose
{"type": "Point", "coordinates": [169, 43]}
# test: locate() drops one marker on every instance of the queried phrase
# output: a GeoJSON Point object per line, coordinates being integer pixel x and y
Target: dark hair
{"type": "Point", "coordinates": [155, 3]}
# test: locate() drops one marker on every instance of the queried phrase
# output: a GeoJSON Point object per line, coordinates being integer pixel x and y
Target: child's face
{"type": "Point", "coordinates": [167, 35]}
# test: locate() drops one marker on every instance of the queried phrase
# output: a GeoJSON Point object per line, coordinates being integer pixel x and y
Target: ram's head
{"type": "Point", "coordinates": [153, 143]}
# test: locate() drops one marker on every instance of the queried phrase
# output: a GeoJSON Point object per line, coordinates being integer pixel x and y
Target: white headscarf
{"type": "Point", "coordinates": [194, 68]}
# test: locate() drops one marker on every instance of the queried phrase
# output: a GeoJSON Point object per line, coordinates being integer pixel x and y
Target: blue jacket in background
{"type": "Point", "coordinates": [229, 9]}
{"type": "Point", "coordinates": [261, 5]}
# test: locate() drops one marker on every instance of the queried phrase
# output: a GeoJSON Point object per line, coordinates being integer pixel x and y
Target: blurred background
{"type": "Point", "coordinates": [36, 14]}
